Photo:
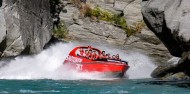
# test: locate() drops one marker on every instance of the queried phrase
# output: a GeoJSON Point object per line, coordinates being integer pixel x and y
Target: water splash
{"type": "Point", "coordinates": [48, 65]}
{"type": "Point", "coordinates": [141, 65]}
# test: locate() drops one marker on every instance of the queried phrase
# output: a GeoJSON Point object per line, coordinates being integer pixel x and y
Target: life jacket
{"type": "Point", "coordinates": [108, 57]}
{"type": "Point", "coordinates": [88, 55]}
{"type": "Point", "coordinates": [84, 55]}
{"type": "Point", "coordinates": [102, 56]}
{"type": "Point", "coordinates": [94, 56]}
{"type": "Point", "coordinates": [116, 58]}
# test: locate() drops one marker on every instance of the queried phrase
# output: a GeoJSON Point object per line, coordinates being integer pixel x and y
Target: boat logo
{"type": "Point", "coordinates": [73, 59]}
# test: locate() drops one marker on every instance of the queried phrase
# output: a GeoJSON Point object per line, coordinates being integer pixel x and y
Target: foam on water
{"type": "Point", "coordinates": [48, 65]}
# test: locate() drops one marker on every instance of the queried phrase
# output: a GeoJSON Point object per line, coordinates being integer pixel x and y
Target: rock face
{"type": "Point", "coordinates": [97, 32]}
{"type": "Point", "coordinates": [82, 29]}
{"type": "Point", "coordinates": [170, 20]}
{"type": "Point", "coordinates": [130, 8]}
{"type": "Point", "coordinates": [25, 26]}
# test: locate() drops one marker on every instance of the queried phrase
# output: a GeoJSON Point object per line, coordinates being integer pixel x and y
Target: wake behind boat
{"type": "Point", "coordinates": [89, 59]}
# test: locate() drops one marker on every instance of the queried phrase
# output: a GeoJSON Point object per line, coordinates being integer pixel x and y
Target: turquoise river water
{"type": "Point", "coordinates": [116, 86]}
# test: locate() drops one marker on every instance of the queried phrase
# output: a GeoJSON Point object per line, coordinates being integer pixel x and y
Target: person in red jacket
{"type": "Point", "coordinates": [108, 56]}
{"type": "Point", "coordinates": [102, 55]}
{"type": "Point", "coordinates": [89, 54]}
{"type": "Point", "coordinates": [94, 55]}
{"type": "Point", "coordinates": [81, 52]}
{"type": "Point", "coordinates": [86, 53]}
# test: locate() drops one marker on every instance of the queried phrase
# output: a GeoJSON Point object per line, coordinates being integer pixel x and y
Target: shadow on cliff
{"type": "Point", "coordinates": [1, 2]}
{"type": "Point", "coordinates": [53, 41]}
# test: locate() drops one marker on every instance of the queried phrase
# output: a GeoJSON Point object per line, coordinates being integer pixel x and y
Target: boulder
{"type": "Point", "coordinates": [163, 70]}
{"type": "Point", "coordinates": [184, 63]}
{"type": "Point", "coordinates": [132, 11]}
{"type": "Point", "coordinates": [25, 26]}
{"type": "Point", "coordinates": [169, 20]}
{"type": "Point", "coordinates": [171, 69]}
{"type": "Point", "coordinates": [177, 76]}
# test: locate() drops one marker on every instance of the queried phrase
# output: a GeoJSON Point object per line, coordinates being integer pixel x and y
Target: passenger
{"type": "Point", "coordinates": [81, 52]}
{"type": "Point", "coordinates": [89, 55]}
{"type": "Point", "coordinates": [108, 56]}
{"type": "Point", "coordinates": [113, 57]}
{"type": "Point", "coordinates": [86, 53]}
{"type": "Point", "coordinates": [117, 57]}
{"type": "Point", "coordinates": [94, 55]}
{"type": "Point", "coordinates": [102, 55]}
{"type": "Point", "coordinates": [89, 48]}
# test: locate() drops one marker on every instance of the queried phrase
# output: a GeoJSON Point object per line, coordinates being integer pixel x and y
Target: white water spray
{"type": "Point", "coordinates": [141, 65]}
{"type": "Point", "coordinates": [48, 65]}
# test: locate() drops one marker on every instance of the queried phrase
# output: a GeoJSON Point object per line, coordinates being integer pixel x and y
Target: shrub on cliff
{"type": "Point", "coordinates": [61, 31]}
{"type": "Point", "coordinates": [135, 28]}
{"type": "Point", "coordinates": [59, 28]}
{"type": "Point", "coordinates": [106, 15]}
{"type": "Point", "coordinates": [115, 19]}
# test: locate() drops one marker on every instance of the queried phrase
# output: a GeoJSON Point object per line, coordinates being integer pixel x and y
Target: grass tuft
{"type": "Point", "coordinates": [61, 31]}
{"type": "Point", "coordinates": [115, 19]}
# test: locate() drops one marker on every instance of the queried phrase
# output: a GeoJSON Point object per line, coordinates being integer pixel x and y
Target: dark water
{"type": "Point", "coordinates": [117, 86]}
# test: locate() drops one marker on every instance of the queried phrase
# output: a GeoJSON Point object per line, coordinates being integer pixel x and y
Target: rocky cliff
{"type": "Point", "coordinates": [170, 20]}
{"type": "Point", "coordinates": [25, 26]}
{"type": "Point", "coordinates": [83, 29]}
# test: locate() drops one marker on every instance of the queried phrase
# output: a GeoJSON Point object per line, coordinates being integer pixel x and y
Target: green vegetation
{"type": "Point", "coordinates": [96, 14]}
{"type": "Point", "coordinates": [135, 28]}
{"type": "Point", "coordinates": [113, 18]}
{"type": "Point", "coordinates": [61, 31]}
{"type": "Point", "coordinates": [106, 15]}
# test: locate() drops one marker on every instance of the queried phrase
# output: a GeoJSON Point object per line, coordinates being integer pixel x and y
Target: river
{"type": "Point", "coordinates": [116, 86]}
{"type": "Point", "coordinates": [45, 73]}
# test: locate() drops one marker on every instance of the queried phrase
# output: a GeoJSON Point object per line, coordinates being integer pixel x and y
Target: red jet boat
{"type": "Point", "coordinates": [116, 68]}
